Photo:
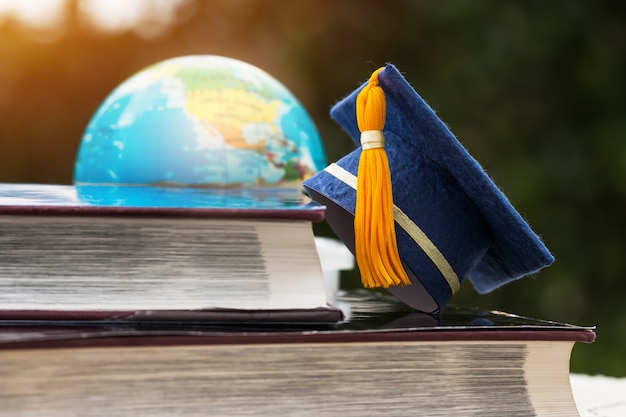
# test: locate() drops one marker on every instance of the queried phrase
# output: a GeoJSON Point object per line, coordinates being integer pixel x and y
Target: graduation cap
{"type": "Point", "coordinates": [414, 206]}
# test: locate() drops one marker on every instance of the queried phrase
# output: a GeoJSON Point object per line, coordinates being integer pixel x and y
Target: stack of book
{"type": "Point", "coordinates": [166, 301]}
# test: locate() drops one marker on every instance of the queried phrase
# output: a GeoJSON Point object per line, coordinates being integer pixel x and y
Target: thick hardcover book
{"type": "Point", "coordinates": [379, 362]}
{"type": "Point", "coordinates": [152, 252]}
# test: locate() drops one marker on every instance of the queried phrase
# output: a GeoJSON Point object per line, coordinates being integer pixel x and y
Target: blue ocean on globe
{"type": "Point", "coordinates": [200, 121]}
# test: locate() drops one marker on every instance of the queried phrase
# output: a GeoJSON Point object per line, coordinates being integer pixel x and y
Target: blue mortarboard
{"type": "Point", "coordinates": [451, 221]}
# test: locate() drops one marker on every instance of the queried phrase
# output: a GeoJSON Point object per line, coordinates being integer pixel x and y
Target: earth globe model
{"type": "Point", "coordinates": [200, 121]}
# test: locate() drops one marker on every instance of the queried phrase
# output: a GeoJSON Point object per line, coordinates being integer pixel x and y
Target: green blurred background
{"type": "Point", "coordinates": [534, 89]}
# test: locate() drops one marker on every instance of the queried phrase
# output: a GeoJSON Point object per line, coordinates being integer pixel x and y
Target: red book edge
{"type": "Point", "coordinates": [82, 337]}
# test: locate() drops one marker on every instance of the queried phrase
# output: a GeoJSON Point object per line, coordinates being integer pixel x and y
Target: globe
{"type": "Point", "coordinates": [200, 121]}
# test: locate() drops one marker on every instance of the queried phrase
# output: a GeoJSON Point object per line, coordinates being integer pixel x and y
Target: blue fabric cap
{"type": "Point", "coordinates": [443, 191]}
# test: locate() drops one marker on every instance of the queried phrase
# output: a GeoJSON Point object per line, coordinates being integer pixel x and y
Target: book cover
{"type": "Point", "coordinates": [258, 203]}
{"type": "Point", "coordinates": [368, 317]}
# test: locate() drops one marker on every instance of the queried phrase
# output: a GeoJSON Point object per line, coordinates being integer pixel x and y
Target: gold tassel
{"type": "Point", "coordinates": [374, 230]}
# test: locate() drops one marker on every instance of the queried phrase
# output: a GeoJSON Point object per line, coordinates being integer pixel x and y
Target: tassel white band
{"type": "Point", "coordinates": [372, 139]}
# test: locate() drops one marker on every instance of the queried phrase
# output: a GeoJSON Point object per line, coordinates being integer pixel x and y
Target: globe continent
{"type": "Point", "coordinates": [200, 121]}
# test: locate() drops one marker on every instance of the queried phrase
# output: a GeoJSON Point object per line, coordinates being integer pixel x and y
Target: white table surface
{"type": "Point", "coordinates": [599, 396]}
